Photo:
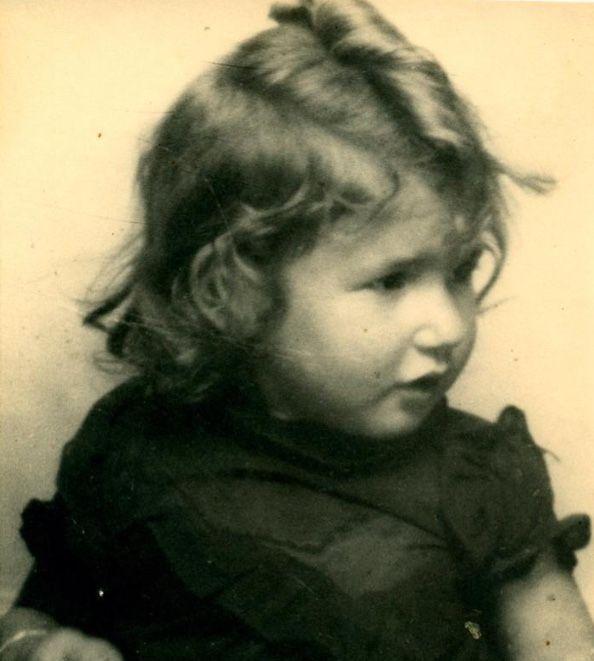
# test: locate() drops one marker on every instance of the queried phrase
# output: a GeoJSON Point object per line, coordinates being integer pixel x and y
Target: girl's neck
{"type": "Point", "coordinates": [251, 419]}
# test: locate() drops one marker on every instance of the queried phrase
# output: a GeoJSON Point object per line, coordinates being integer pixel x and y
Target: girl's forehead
{"type": "Point", "coordinates": [414, 217]}
{"type": "Point", "coordinates": [414, 225]}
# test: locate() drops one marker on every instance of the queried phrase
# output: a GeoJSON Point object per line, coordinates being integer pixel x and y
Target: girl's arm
{"type": "Point", "coordinates": [28, 635]}
{"type": "Point", "coordinates": [45, 622]}
{"type": "Point", "coordinates": [543, 617]}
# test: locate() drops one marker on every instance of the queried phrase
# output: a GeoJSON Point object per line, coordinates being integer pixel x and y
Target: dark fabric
{"type": "Point", "coordinates": [215, 532]}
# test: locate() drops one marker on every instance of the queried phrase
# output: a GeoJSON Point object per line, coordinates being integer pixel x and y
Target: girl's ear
{"type": "Point", "coordinates": [207, 290]}
{"type": "Point", "coordinates": [227, 291]}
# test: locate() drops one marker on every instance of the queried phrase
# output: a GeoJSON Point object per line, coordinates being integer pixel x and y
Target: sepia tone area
{"type": "Point", "coordinates": [84, 82]}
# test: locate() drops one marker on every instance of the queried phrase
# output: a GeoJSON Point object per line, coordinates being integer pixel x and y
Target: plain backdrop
{"type": "Point", "coordinates": [82, 83]}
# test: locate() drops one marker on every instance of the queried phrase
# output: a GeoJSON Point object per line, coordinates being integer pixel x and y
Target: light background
{"type": "Point", "coordinates": [84, 80]}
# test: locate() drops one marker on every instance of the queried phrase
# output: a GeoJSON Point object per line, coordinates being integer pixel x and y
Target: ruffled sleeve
{"type": "Point", "coordinates": [497, 501]}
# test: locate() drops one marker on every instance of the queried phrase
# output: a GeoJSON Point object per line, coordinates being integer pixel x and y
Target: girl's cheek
{"type": "Point", "coordinates": [376, 350]}
{"type": "Point", "coordinates": [472, 311]}
{"type": "Point", "coordinates": [467, 346]}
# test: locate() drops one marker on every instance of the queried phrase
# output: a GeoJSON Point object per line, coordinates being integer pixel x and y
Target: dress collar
{"type": "Point", "coordinates": [317, 447]}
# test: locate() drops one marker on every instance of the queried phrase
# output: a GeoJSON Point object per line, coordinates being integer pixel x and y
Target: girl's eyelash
{"type": "Point", "coordinates": [399, 279]}
{"type": "Point", "coordinates": [465, 269]}
{"type": "Point", "coordinates": [391, 281]}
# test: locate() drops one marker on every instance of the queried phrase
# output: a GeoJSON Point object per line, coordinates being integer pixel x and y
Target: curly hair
{"type": "Point", "coordinates": [260, 155]}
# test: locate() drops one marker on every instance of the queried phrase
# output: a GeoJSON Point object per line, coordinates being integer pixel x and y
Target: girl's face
{"type": "Point", "coordinates": [379, 323]}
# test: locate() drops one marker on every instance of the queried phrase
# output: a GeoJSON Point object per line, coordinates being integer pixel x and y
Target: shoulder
{"type": "Point", "coordinates": [502, 454]}
{"type": "Point", "coordinates": [121, 463]}
{"type": "Point", "coordinates": [115, 422]}
{"type": "Point", "coordinates": [470, 433]}
{"type": "Point", "coordinates": [498, 445]}
{"type": "Point", "coordinates": [504, 446]}
{"type": "Point", "coordinates": [122, 482]}
{"type": "Point", "coordinates": [496, 493]}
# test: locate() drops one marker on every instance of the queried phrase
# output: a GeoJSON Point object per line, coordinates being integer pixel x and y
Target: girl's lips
{"type": "Point", "coordinates": [423, 387]}
{"type": "Point", "coordinates": [426, 382]}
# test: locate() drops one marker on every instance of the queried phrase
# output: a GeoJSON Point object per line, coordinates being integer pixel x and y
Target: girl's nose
{"type": "Point", "coordinates": [444, 324]}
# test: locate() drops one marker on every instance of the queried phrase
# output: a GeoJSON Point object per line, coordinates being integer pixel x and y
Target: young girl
{"type": "Point", "coordinates": [284, 477]}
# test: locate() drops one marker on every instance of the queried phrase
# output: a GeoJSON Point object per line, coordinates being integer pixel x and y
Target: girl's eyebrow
{"type": "Point", "coordinates": [401, 263]}
{"type": "Point", "coordinates": [406, 262]}
{"type": "Point", "coordinates": [461, 250]}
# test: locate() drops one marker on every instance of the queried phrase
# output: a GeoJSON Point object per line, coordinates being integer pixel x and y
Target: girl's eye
{"type": "Point", "coordinates": [392, 281]}
{"type": "Point", "coordinates": [463, 272]}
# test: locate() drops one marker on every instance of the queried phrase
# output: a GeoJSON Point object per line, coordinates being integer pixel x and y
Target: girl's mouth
{"type": "Point", "coordinates": [423, 386]}
{"type": "Point", "coordinates": [426, 382]}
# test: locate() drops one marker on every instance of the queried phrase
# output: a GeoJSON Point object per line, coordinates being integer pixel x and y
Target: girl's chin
{"type": "Point", "coordinates": [404, 418]}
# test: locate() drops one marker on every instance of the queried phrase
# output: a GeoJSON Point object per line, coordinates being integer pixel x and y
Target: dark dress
{"type": "Point", "coordinates": [212, 531]}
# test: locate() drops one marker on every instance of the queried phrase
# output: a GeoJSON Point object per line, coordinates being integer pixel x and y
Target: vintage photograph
{"type": "Point", "coordinates": [297, 310]}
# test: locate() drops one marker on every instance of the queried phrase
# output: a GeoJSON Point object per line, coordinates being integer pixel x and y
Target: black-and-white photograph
{"type": "Point", "coordinates": [297, 311]}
